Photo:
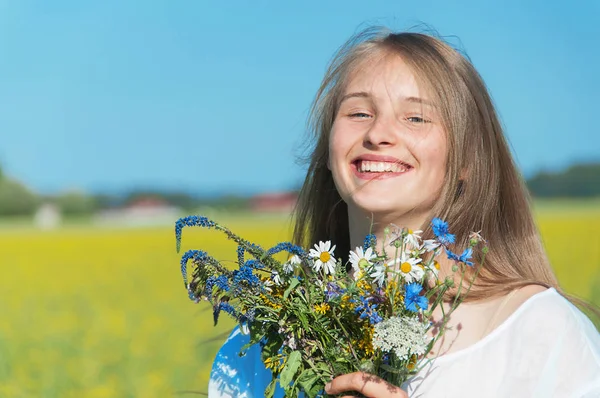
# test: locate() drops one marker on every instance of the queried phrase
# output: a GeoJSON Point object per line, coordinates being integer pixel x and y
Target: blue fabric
{"type": "Point", "coordinates": [235, 376]}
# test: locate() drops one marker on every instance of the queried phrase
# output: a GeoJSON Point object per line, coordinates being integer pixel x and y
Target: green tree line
{"type": "Point", "coordinates": [580, 181]}
{"type": "Point", "coordinates": [16, 199]}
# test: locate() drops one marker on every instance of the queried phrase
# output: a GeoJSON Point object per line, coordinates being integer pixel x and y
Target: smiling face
{"type": "Point", "coordinates": [387, 147]}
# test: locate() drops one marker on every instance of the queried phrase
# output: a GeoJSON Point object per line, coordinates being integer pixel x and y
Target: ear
{"type": "Point", "coordinates": [328, 164]}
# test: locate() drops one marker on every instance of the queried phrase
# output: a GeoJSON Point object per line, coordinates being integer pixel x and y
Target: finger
{"type": "Point", "coordinates": [364, 383]}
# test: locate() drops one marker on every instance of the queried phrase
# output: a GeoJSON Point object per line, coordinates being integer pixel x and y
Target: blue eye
{"type": "Point", "coordinates": [360, 115]}
{"type": "Point", "coordinates": [417, 119]}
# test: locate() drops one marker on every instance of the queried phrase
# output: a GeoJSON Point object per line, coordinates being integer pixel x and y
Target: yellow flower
{"type": "Point", "coordinates": [365, 344]}
{"type": "Point", "coordinates": [322, 308]}
{"type": "Point", "coordinates": [346, 303]}
{"type": "Point", "coordinates": [391, 286]}
{"type": "Point", "coordinates": [412, 363]}
{"type": "Point", "coordinates": [275, 363]}
{"type": "Point", "coordinates": [364, 286]}
{"type": "Point", "coordinates": [266, 301]}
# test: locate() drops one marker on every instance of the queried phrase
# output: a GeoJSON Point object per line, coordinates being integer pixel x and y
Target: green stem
{"type": "Point", "coordinates": [346, 335]}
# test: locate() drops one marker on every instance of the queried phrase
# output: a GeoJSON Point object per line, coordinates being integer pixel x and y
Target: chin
{"type": "Point", "coordinates": [380, 206]}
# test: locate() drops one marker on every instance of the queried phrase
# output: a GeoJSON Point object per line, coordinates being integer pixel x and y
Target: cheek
{"type": "Point", "coordinates": [338, 146]}
{"type": "Point", "coordinates": [433, 153]}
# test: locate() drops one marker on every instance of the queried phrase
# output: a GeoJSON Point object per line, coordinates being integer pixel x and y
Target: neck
{"type": "Point", "coordinates": [361, 224]}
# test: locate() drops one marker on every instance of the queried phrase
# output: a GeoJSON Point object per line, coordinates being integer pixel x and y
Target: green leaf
{"type": "Point", "coordinates": [306, 379]}
{"type": "Point", "coordinates": [295, 282]}
{"type": "Point", "coordinates": [290, 368]}
{"type": "Point", "coordinates": [272, 347]}
{"type": "Point", "coordinates": [270, 390]}
{"type": "Point", "coordinates": [304, 320]}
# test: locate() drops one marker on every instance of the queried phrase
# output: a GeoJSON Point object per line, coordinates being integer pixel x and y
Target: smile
{"type": "Point", "coordinates": [364, 166]}
{"type": "Point", "coordinates": [379, 169]}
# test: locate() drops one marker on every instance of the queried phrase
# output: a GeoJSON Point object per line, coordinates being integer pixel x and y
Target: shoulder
{"type": "Point", "coordinates": [534, 304]}
{"type": "Point", "coordinates": [545, 320]}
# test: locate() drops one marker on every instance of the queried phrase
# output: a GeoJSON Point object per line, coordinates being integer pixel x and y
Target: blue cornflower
{"type": "Point", "coordinates": [440, 229]}
{"type": "Point", "coordinates": [288, 247]}
{"type": "Point", "coordinates": [191, 221]}
{"type": "Point", "coordinates": [367, 310]}
{"type": "Point", "coordinates": [413, 299]}
{"type": "Point", "coordinates": [370, 241]}
{"type": "Point", "coordinates": [463, 258]}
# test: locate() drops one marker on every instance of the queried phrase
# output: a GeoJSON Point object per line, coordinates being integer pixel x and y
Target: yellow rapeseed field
{"type": "Point", "coordinates": [103, 312]}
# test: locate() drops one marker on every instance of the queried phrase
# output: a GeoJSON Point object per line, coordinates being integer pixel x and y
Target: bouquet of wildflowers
{"type": "Point", "coordinates": [316, 318]}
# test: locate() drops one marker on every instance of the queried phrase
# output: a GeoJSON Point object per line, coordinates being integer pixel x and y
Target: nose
{"type": "Point", "coordinates": [381, 134]}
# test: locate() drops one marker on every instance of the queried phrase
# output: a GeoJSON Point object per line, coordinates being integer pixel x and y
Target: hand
{"type": "Point", "coordinates": [366, 384]}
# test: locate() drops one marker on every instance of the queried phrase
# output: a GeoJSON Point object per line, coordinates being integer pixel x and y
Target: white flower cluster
{"type": "Point", "coordinates": [404, 336]}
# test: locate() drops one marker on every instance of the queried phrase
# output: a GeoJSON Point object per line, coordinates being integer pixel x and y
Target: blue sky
{"type": "Point", "coordinates": [212, 96]}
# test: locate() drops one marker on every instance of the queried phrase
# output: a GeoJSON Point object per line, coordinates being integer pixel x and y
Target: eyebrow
{"type": "Point", "coordinates": [418, 100]}
{"type": "Point", "coordinates": [363, 94]}
{"type": "Point", "coordinates": [359, 94]}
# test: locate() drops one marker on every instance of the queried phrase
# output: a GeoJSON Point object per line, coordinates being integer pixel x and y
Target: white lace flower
{"type": "Point", "coordinates": [409, 268]}
{"type": "Point", "coordinates": [290, 265]}
{"type": "Point", "coordinates": [360, 260]}
{"type": "Point", "coordinates": [323, 257]}
{"type": "Point", "coordinates": [405, 336]}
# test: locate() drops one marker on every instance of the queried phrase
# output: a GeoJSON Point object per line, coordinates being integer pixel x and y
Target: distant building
{"type": "Point", "coordinates": [281, 202]}
{"type": "Point", "coordinates": [47, 216]}
{"type": "Point", "coordinates": [144, 211]}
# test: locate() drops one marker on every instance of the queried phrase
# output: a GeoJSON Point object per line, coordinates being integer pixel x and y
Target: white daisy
{"type": "Point", "coordinates": [360, 260]}
{"type": "Point", "coordinates": [323, 256]}
{"type": "Point", "coordinates": [409, 268]}
{"type": "Point", "coordinates": [412, 237]}
{"type": "Point", "coordinates": [290, 265]}
{"type": "Point", "coordinates": [379, 273]}
{"type": "Point", "coordinates": [434, 269]}
{"type": "Point", "coordinates": [430, 245]}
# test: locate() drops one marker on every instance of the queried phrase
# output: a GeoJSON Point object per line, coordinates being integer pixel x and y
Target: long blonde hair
{"type": "Point", "coordinates": [492, 197]}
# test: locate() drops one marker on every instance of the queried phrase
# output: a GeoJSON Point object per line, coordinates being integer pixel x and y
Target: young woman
{"type": "Point", "coordinates": [405, 130]}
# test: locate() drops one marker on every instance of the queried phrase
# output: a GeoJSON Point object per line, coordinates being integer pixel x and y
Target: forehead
{"type": "Point", "coordinates": [385, 75]}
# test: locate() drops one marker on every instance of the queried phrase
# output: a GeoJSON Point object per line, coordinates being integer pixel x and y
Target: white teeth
{"type": "Point", "coordinates": [380, 167]}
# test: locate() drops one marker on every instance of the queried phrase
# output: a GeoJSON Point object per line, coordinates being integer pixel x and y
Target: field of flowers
{"type": "Point", "coordinates": [103, 312]}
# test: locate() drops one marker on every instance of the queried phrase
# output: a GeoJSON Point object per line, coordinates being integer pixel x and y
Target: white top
{"type": "Point", "coordinates": [546, 348]}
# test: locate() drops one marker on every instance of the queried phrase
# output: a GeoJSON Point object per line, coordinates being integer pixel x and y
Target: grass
{"type": "Point", "coordinates": [91, 312]}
